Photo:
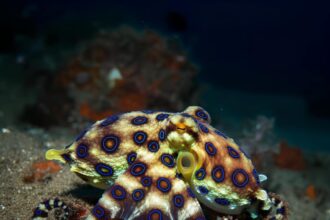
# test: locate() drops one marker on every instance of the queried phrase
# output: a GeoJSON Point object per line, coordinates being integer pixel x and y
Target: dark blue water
{"type": "Point", "coordinates": [255, 57]}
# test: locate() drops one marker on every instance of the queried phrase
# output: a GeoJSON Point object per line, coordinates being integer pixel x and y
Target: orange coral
{"type": "Point", "coordinates": [40, 170]}
{"type": "Point", "coordinates": [310, 192]}
{"type": "Point", "coordinates": [132, 101]}
{"type": "Point", "coordinates": [290, 157]}
{"type": "Point", "coordinates": [86, 111]}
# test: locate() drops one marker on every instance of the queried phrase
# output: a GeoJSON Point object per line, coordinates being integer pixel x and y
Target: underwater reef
{"type": "Point", "coordinates": [116, 71]}
{"type": "Point", "coordinates": [125, 70]}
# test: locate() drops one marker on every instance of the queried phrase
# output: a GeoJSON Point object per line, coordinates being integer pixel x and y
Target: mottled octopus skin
{"type": "Point", "coordinates": [160, 165]}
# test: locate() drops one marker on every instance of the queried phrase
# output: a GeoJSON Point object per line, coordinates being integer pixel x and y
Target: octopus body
{"type": "Point", "coordinates": [161, 165]}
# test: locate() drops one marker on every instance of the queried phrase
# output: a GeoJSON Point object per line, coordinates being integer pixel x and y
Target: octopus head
{"type": "Point", "coordinates": [182, 131]}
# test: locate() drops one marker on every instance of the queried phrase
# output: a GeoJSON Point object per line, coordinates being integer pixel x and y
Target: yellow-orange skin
{"type": "Point", "coordinates": [185, 134]}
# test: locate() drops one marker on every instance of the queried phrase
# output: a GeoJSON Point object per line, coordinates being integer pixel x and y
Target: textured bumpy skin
{"type": "Point", "coordinates": [160, 165]}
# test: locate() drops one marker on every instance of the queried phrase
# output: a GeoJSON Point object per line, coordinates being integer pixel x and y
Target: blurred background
{"type": "Point", "coordinates": [240, 59]}
{"type": "Point", "coordinates": [260, 68]}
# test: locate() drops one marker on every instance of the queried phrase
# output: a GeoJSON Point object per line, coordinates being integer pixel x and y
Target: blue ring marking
{"type": "Point", "coordinates": [114, 147]}
{"type": "Point", "coordinates": [82, 151]}
{"type": "Point", "coordinates": [140, 137]}
{"type": "Point", "coordinates": [256, 176]}
{"type": "Point", "coordinates": [178, 200]}
{"type": "Point", "coordinates": [169, 163]}
{"type": "Point", "coordinates": [100, 167]}
{"type": "Point", "coordinates": [98, 211]}
{"type": "Point", "coordinates": [139, 120]}
{"type": "Point", "coordinates": [109, 120]}
{"type": "Point", "coordinates": [203, 190]}
{"type": "Point", "coordinates": [39, 213]}
{"type": "Point", "coordinates": [234, 180]}
{"type": "Point", "coordinates": [140, 166]}
{"type": "Point", "coordinates": [56, 201]}
{"type": "Point", "coordinates": [67, 157]}
{"type": "Point", "coordinates": [121, 190]}
{"type": "Point", "coordinates": [162, 134]}
{"type": "Point", "coordinates": [146, 181]}
{"type": "Point", "coordinates": [138, 195]}
{"type": "Point", "coordinates": [191, 193]}
{"type": "Point", "coordinates": [222, 201]}
{"type": "Point", "coordinates": [131, 157]}
{"type": "Point", "coordinates": [167, 181]}
{"type": "Point", "coordinates": [232, 152]}
{"type": "Point", "coordinates": [203, 128]}
{"type": "Point", "coordinates": [162, 116]}
{"type": "Point", "coordinates": [47, 205]}
{"type": "Point", "coordinates": [280, 211]}
{"type": "Point", "coordinates": [153, 146]}
{"type": "Point", "coordinates": [210, 148]}
{"type": "Point", "coordinates": [155, 211]}
{"type": "Point", "coordinates": [221, 134]}
{"type": "Point", "coordinates": [201, 114]}
{"type": "Point", "coordinates": [148, 111]}
{"type": "Point", "coordinates": [81, 134]}
{"type": "Point", "coordinates": [215, 170]}
{"type": "Point", "coordinates": [200, 174]}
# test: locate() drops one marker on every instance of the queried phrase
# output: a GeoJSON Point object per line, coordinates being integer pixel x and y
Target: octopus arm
{"type": "Point", "coordinates": [148, 191]}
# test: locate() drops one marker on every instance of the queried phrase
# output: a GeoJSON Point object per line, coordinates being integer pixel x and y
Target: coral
{"type": "Point", "coordinates": [290, 157]}
{"type": "Point", "coordinates": [310, 192]}
{"type": "Point", "coordinates": [40, 170]}
{"type": "Point", "coordinates": [117, 71]}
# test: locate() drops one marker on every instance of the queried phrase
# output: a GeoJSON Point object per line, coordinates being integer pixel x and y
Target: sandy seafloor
{"type": "Point", "coordinates": [17, 199]}
{"type": "Point", "coordinates": [21, 145]}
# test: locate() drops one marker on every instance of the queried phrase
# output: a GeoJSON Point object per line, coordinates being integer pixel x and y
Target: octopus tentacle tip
{"type": "Point", "coordinates": [54, 154]}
